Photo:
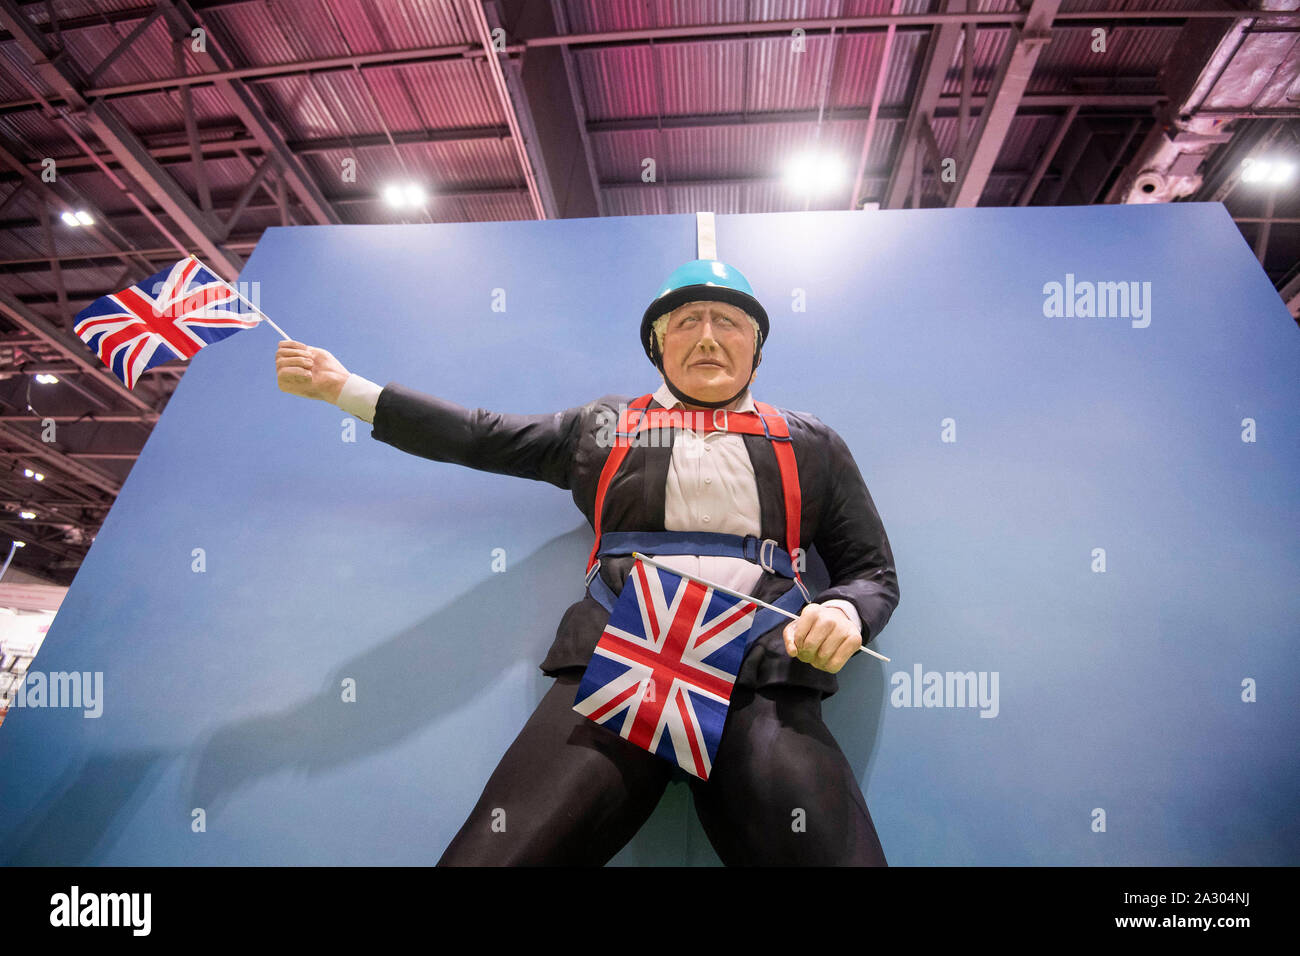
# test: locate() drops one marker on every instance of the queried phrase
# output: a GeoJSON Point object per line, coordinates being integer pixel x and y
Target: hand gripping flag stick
{"type": "Point", "coordinates": [744, 597]}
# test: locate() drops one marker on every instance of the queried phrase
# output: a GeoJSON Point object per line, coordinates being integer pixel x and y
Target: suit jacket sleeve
{"type": "Point", "coordinates": [852, 542]}
{"type": "Point", "coordinates": [540, 447]}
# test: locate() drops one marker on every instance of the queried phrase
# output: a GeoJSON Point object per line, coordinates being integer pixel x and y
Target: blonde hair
{"type": "Point", "coordinates": [660, 326]}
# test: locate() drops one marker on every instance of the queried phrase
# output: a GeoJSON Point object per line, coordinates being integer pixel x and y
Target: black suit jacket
{"type": "Point", "coordinates": [568, 449]}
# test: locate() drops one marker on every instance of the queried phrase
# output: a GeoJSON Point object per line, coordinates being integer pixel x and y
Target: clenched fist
{"type": "Point", "coordinates": [823, 637]}
{"type": "Point", "coordinates": [309, 372]}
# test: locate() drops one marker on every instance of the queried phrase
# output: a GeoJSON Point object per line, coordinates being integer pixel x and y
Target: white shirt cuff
{"type": "Point", "coordinates": [359, 397]}
{"type": "Point", "coordinates": [854, 618]}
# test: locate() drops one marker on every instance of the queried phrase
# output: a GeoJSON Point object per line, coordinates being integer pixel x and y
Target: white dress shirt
{"type": "Point", "coordinates": [711, 487]}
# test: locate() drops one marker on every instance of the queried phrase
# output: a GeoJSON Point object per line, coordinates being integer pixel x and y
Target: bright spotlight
{"type": "Point", "coordinates": [402, 195]}
{"type": "Point", "coordinates": [1272, 171]}
{"type": "Point", "coordinates": [27, 514]}
{"type": "Point", "coordinates": [85, 218]}
{"type": "Point", "coordinates": [814, 173]}
{"type": "Point", "coordinates": [69, 218]}
{"type": "Point", "coordinates": [1253, 170]}
{"type": "Point", "coordinates": [46, 379]}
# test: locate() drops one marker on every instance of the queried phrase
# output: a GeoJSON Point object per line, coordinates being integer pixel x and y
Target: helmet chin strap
{"type": "Point", "coordinates": [688, 400]}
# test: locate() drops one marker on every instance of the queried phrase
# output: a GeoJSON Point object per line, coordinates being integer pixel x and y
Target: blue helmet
{"type": "Point", "coordinates": [701, 280]}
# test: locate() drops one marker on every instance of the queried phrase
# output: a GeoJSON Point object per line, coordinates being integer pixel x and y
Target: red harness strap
{"type": "Point", "coordinates": [767, 422]}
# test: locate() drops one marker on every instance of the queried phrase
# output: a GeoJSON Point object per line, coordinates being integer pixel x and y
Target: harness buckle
{"type": "Point", "coordinates": [765, 562]}
{"type": "Point", "coordinates": [724, 419]}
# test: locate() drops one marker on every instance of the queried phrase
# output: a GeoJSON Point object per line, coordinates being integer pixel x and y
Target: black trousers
{"type": "Point", "coordinates": [570, 792]}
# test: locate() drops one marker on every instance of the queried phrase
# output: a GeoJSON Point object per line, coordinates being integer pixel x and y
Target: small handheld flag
{"type": "Point", "coordinates": [662, 673]}
{"type": "Point", "coordinates": [172, 314]}
{"type": "Point", "coordinates": [771, 607]}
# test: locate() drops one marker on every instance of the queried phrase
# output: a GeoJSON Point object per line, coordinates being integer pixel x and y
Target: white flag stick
{"type": "Point", "coordinates": [744, 597]}
{"type": "Point", "coordinates": [243, 300]}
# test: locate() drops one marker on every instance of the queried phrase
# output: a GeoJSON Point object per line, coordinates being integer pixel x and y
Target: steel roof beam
{"type": "Point", "coordinates": [1043, 103]}
{"type": "Point", "coordinates": [102, 67]}
{"type": "Point", "coordinates": [934, 70]}
{"type": "Point", "coordinates": [513, 103]}
{"type": "Point", "coordinates": [66, 199]}
{"type": "Point", "coordinates": [202, 228]}
{"type": "Point", "coordinates": [252, 115]}
{"type": "Point", "coordinates": [14, 529]}
{"type": "Point", "coordinates": [47, 452]}
{"type": "Point", "coordinates": [219, 148]}
{"type": "Point", "coordinates": [1005, 94]}
{"type": "Point", "coordinates": [92, 260]}
{"type": "Point", "coordinates": [113, 133]}
{"type": "Point", "coordinates": [575, 97]}
{"type": "Point", "coordinates": [67, 343]}
{"type": "Point", "coordinates": [546, 109]}
{"type": "Point", "coordinates": [110, 17]}
{"type": "Point", "coordinates": [820, 24]}
{"type": "Point", "coordinates": [1049, 152]}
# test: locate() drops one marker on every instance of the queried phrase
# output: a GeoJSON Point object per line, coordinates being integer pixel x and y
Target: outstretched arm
{"type": "Point", "coordinates": [540, 447]}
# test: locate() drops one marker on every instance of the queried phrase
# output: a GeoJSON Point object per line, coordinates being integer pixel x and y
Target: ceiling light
{"type": "Point", "coordinates": [69, 218]}
{"type": "Point", "coordinates": [85, 218]}
{"type": "Point", "coordinates": [46, 379]}
{"type": "Point", "coordinates": [1256, 169]}
{"type": "Point", "coordinates": [402, 195]}
{"type": "Point", "coordinates": [814, 173]}
{"type": "Point", "coordinates": [1253, 170]}
{"type": "Point", "coordinates": [27, 514]}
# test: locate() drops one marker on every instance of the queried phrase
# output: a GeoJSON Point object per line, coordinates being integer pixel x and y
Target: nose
{"type": "Point", "coordinates": [706, 331]}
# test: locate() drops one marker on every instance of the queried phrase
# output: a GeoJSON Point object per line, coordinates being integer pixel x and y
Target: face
{"type": "Point", "coordinates": [708, 349]}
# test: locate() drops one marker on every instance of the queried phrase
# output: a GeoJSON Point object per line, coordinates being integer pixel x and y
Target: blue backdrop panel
{"type": "Point", "coordinates": [1137, 711]}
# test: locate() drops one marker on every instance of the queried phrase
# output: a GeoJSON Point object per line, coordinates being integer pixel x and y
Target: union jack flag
{"type": "Point", "coordinates": [172, 314]}
{"type": "Point", "coordinates": [662, 672]}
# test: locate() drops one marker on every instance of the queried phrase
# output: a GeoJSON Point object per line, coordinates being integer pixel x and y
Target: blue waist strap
{"type": "Point", "coordinates": [764, 619]}
{"type": "Point", "coordinates": [762, 551]}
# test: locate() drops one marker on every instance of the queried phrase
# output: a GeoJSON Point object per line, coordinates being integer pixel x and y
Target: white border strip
{"type": "Point", "coordinates": [706, 237]}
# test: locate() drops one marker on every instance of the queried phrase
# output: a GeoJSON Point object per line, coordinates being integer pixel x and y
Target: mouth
{"type": "Point", "coordinates": [708, 365]}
